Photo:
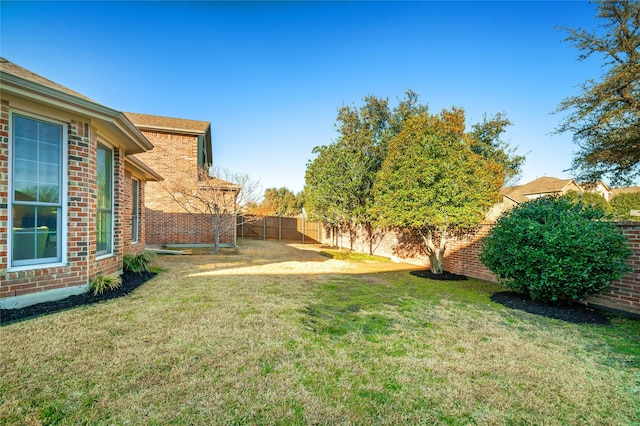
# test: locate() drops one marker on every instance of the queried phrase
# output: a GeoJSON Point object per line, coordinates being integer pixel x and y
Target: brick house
{"type": "Point", "coordinates": [182, 151]}
{"type": "Point", "coordinates": [71, 192]}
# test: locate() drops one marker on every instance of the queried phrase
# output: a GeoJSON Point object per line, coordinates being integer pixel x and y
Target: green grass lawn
{"type": "Point", "coordinates": [260, 336]}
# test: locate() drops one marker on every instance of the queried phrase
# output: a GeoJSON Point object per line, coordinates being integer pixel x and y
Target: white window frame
{"type": "Point", "coordinates": [135, 210]}
{"type": "Point", "coordinates": [111, 250]}
{"type": "Point", "coordinates": [64, 171]}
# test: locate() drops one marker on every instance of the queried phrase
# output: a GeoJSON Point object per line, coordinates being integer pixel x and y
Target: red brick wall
{"type": "Point", "coordinates": [625, 294]}
{"type": "Point", "coordinates": [172, 154]}
{"type": "Point", "coordinates": [183, 228]}
{"type": "Point", "coordinates": [175, 158]}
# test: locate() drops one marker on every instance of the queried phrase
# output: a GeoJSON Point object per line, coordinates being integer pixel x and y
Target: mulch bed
{"type": "Point", "coordinates": [575, 313]}
{"type": "Point", "coordinates": [444, 276]}
{"type": "Point", "coordinates": [130, 281]}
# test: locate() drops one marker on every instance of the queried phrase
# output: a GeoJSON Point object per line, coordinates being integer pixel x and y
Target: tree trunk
{"type": "Point", "coordinates": [216, 232]}
{"type": "Point", "coordinates": [369, 229]}
{"type": "Point", "coordinates": [436, 255]}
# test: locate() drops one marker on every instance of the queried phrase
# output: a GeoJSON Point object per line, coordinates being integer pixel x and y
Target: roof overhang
{"type": "Point", "coordinates": [113, 121]}
{"type": "Point", "coordinates": [141, 169]}
{"type": "Point", "coordinates": [174, 130]}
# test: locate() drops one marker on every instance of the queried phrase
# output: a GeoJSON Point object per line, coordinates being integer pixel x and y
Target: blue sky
{"type": "Point", "coordinates": [270, 76]}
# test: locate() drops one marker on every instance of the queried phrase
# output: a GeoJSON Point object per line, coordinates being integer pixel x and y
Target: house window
{"type": "Point", "coordinates": [135, 215]}
{"type": "Point", "coordinates": [36, 191]}
{"type": "Point", "coordinates": [104, 227]}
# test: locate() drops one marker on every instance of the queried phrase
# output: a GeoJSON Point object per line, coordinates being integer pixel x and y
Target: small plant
{"type": "Point", "coordinates": [138, 262]}
{"type": "Point", "coordinates": [105, 282]}
{"type": "Point", "coordinates": [556, 250]}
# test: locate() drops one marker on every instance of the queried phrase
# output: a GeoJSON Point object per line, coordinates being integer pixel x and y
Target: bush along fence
{"type": "Point", "coordinates": [461, 257]}
{"type": "Point", "coordinates": [292, 229]}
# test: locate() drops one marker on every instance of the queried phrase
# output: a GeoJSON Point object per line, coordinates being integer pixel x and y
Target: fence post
{"type": "Point", "coordinates": [264, 228]}
{"type": "Point", "coordinates": [279, 227]}
{"type": "Point", "coordinates": [302, 229]}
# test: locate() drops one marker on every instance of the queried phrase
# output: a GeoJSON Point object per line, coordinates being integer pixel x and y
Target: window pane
{"type": "Point", "coordinates": [134, 210]}
{"type": "Point", "coordinates": [48, 173]}
{"type": "Point", "coordinates": [50, 133]}
{"type": "Point", "coordinates": [25, 128]}
{"type": "Point", "coordinates": [49, 194]}
{"type": "Point", "coordinates": [24, 245]}
{"type": "Point", "coordinates": [105, 174]}
{"type": "Point", "coordinates": [104, 232]}
{"type": "Point", "coordinates": [26, 149]}
{"type": "Point", "coordinates": [24, 218]}
{"type": "Point", "coordinates": [24, 191]}
{"type": "Point", "coordinates": [49, 153]}
{"type": "Point", "coordinates": [25, 170]}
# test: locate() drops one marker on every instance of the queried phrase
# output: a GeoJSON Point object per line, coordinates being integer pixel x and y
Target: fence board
{"type": "Point", "coordinates": [279, 228]}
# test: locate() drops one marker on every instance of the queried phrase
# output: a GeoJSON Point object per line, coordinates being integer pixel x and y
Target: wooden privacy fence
{"type": "Point", "coordinates": [279, 228]}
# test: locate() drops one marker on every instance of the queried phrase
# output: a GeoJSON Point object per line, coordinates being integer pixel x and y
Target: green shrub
{"type": "Point", "coordinates": [591, 199]}
{"type": "Point", "coordinates": [138, 262]}
{"type": "Point", "coordinates": [622, 204]}
{"type": "Point", "coordinates": [104, 282]}
{"type": "Point", "coordinates": [556, 250]}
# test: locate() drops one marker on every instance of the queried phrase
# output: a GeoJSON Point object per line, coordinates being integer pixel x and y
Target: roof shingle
{"type": "Point", "coordinates": [146, 121]}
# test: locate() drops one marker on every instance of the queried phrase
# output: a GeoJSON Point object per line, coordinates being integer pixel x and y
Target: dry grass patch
{"type": "Point", "coordinates": [278, 334]}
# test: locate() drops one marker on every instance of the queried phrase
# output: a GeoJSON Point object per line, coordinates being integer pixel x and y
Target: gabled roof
{"type": "Point", "coordinates": [22, 83]}
{"type": "Point", "coordinates": [156, 122]}
{"type": "Point", "coordinates": [542, 185]}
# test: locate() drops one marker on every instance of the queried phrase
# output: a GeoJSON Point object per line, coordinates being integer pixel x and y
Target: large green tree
{"type": "Point", "coordinates": [280, 201]}
{"type": "Point", "coordinates": [605, 116]}
{"type": "Point", "coordinates": [432, 181]}
{"type": "Point", "coordinates": [487, 141]}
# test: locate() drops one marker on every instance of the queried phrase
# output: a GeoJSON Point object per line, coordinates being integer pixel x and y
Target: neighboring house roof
{"type": "Point", "coordinates": [180, 125]}
{"type": "Point", "coordinates": [627, 190]}
{"type": "Point", "coordinates": [214, 182]}
{"type": "Point", "coordinates": [22, 83]}
{"type": "Point", "coordinates": [590, 186]}
{"type": "Point", "coordinates": [540, 186]}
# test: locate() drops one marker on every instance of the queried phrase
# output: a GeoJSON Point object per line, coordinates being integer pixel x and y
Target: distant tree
{"type": "Point", "coordinates": [605, 117]}
{"type": "Point", "coordinates": [555, 249]}
{"type": "Point", "coordinates": [487, 142]}
{"type": "Point", "coordinates": [219, 195]}
{"type": "Point", "coordinates": [434, 183]}
{"type": "Point", "coordinates": [622, 204]}
{"type": "Point", "coordinates": [281, 202]}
